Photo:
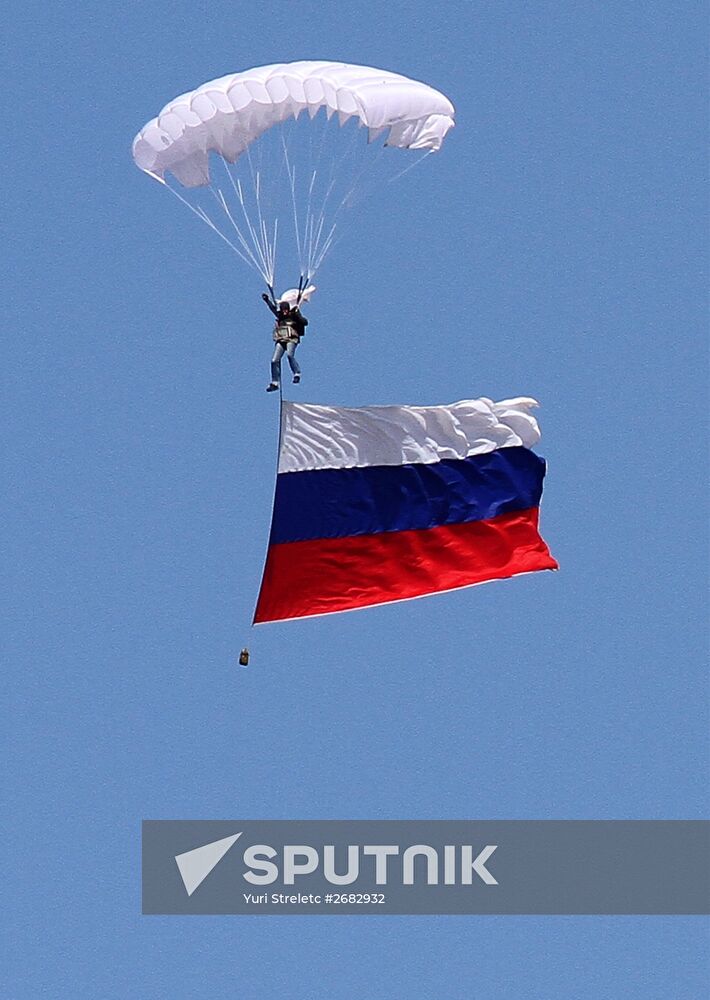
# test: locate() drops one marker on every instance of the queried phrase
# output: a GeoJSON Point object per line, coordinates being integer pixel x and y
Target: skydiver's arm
{"type": "Point", "coordinates": [270, 304]}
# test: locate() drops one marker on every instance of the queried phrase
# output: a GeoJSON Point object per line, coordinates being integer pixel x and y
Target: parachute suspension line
{"type": "Point", "coordinates": [270, 247]}
{"type": "Point", "coordinates": [326, 247]}
{"type": "Point", "coordinates": [310, 214]}
{"type": "Point", "coordinates": [320, 244]}
{"type": "Point", "coordinates": [321, 132]}
{"type": "Point", "coordinates": [292, 184]}
{"type": "Point", "coordinates": [273, 252]}
{"type": "Point", "coordinates": [309, 235]}
{"type": "Point", "coordinates": [411, 166]}
{"type": "Point", "coordinates": [217, 193]}
{"type": "Point", "coordinates": [334, 171]}
{"type": "Point", "coordinates": [320, 224]}
{"type": "Point", "coordinates": [262, 264]}
{"type": "Point", "coordinates": [370, 166]}
{"type": "Point", "coordinates": [201, 214]}
{"type": "Point", "coordinates": [287, 145]}
{"type": "Point", "coordinates": [292, 179]}
{"type": "Point", "coordinates": [314, 238]}
{"type": "Point", "coordinates": [260, 250]}
{"type": "Point", "coordinates": [321, 249]}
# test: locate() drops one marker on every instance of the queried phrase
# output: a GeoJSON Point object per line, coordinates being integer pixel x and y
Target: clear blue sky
{"type": "Point", "coordinates": [555, 248]}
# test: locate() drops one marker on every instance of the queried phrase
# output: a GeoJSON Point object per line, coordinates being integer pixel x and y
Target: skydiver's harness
{"type": "Point", "coordinates": [289, 329]}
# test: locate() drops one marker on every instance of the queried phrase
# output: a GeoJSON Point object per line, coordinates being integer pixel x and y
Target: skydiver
{"type": "Point", "coordinates": [290, 326]}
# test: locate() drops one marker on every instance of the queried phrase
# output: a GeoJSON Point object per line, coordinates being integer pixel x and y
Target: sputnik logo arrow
{"type": "Point", "coordinates": [195, 865]}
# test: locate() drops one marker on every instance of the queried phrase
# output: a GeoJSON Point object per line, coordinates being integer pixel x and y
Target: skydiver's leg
{"type": "Point", "coordinates": [294, 365]}
{"type": "Point", "coordinates": [276, 363]}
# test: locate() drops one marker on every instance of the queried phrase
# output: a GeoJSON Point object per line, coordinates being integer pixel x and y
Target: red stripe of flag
{"type": "Point", "coordinates": [339, 574]}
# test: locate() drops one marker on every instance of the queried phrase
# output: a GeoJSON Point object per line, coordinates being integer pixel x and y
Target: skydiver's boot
{"type": "Point", "coordinates": [272, 386]}
{"type": "Point", "coordinates": [297, 378]}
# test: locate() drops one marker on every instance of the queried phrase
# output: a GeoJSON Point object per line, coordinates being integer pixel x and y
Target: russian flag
{"type": "Point", "coordinates": [383, 503]}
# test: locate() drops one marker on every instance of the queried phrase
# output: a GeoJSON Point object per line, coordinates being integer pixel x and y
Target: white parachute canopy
{"type": "Point", "coordinates": [250, 116]}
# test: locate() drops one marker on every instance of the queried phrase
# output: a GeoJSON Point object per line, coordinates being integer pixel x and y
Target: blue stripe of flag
{"type": "Point", "coordinates": [338, 503]}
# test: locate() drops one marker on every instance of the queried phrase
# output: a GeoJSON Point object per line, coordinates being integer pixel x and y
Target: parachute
{"type": "Point", "coordinates": [243, 141]}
